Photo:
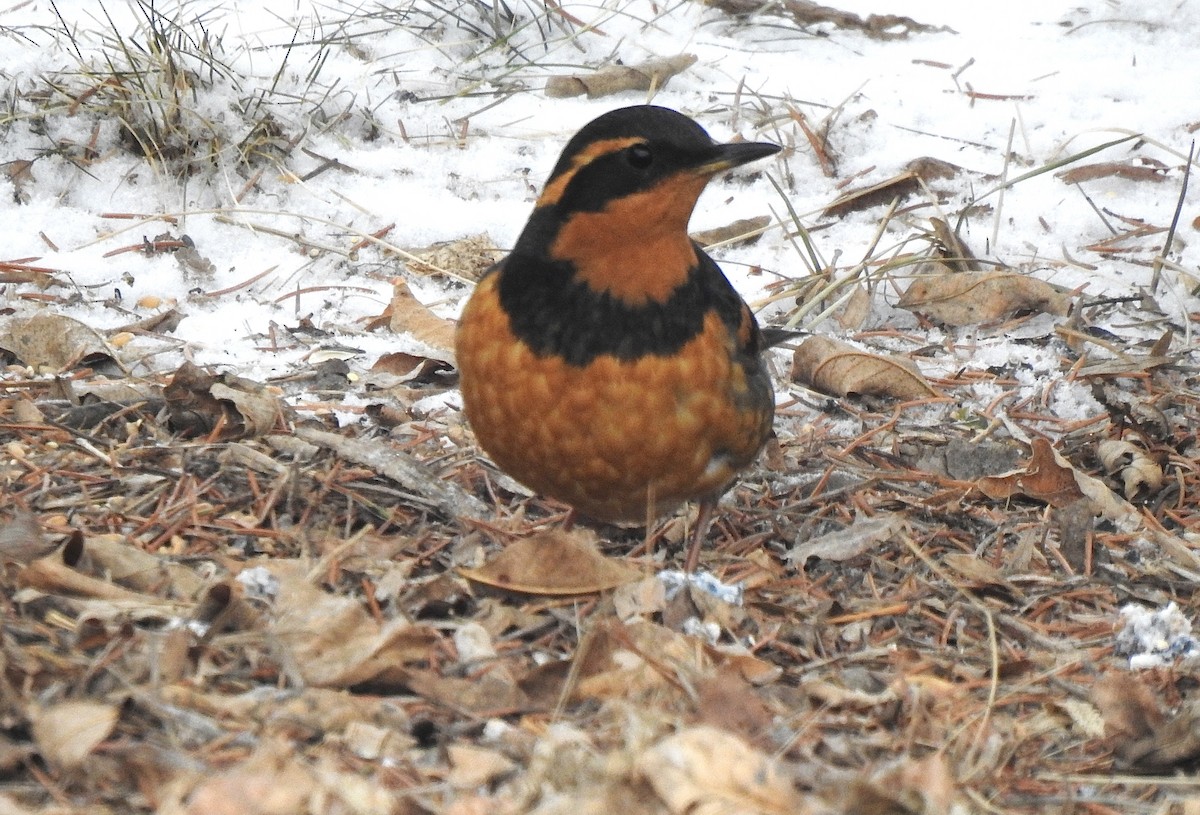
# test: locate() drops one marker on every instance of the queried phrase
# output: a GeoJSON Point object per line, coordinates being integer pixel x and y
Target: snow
{"type": "Point", "coordinates": [1155, 638]}
{"type": "Point", "coordinates": [445, 134]}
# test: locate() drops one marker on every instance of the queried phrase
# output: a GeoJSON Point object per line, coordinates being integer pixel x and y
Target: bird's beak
{"type": "Point", "coordinates": [727, 156]}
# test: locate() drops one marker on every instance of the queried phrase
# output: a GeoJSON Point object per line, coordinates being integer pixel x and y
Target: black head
{"type": "Point", "coordinates": [632, 149]}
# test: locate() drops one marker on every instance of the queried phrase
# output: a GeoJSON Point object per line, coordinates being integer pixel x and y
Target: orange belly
{"type": "Point", "coordinates": [612, 438]}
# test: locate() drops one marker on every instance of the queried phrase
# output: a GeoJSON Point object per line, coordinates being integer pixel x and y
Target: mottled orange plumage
{"type": "Point", "coordinates": [607, 362]}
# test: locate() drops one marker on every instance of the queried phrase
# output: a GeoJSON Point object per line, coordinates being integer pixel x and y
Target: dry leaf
{"type": "Point", "coordinates": [334, 641]}
{"type": "Point", "coordinates": [553, 563]}
{"type": "Point", "coordinates": [408, 315]}
{"type": "Point", "coordinates": [859, 537]}
{"type": "Point", "coordinates": [857, 309]}
{"type": "Point", "coordinates": [970, 298]}
{"type": "Point", "coordinates": [924, 787]}
{"type": "Point", "coordinates": [1136, 169]}
{"type": "Point", "coordinates": [651, 75]}
{"type": "Point", "coordinates": [1085, 717]}
{"type": "Point", "coordinates": [260, 786]}
{"type": "Point", "coordinates": [977, 570]}
{"type": "Point", "coordinates": [494, 693]}
{"type": "Point", "coordinates": [53, 342]}
{"type": "Point", "coordinates": [199, 403]}
{"type": "Point", "coordinates": [744, 230]}
{"type": "Point", "coordinates": [1044, 478]}
{"type": "Point", "coordinates": [876, 195]}
{"type": "Point", "coordinates": [841, 369]}
{"type": "Point", "coordinates": [706, 771]}
{"type": "Point", "coordinates": [66, 733]}
{"type": "Point", "coordinates": [1127, 705]}
{"type": "Point", "coordinates": [1140, 475]}
{"type": "Point", "coordinates": [472, 766]}
{"type": "Point", "coordinates": [20, 173]}
{"type": "Point", "coordinates": [21, 538]}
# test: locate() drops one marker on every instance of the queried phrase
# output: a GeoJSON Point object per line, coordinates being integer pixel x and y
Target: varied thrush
{"type": "Point", "coordinates": [607, 362]}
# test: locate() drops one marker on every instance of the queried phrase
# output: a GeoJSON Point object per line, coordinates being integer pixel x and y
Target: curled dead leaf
{"type": "Point", "coordinates": [969, 298]}
{"type": "Point", "coordinates": [199, 403]}
{"type": "Point", "coordinates": [646, 76]}
{"type": "Point", "coordinates": [553, 563]}
{"type": "Point", "coordinates": [841, 369]}
{"type": "Point", "coordinates": [408, 315]}
{"type": "Point", "coordinates": [1139, 473]}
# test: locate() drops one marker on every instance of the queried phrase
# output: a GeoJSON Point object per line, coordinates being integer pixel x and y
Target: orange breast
{"type": "Point", "coordinates": [608, 436]}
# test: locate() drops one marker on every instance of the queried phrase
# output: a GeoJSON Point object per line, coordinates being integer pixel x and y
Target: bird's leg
{"type": "Point", "coordinates": [569, 521]}
{"type": "Point", "coordinates": [703, 522]}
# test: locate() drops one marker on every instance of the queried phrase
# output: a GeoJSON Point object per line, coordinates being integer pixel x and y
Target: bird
{"type": "Point", "coordinates": [606, 361]}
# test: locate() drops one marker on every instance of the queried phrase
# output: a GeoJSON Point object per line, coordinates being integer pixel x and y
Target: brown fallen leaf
{"type": "Point", "coordinates": [978, 571]}
{"type": "Point", "coordinates": [970, 298]}
{"type": "Point", "coordinates": [1138, 169]}
{"type": "Point", "coordinates": [876, 195]}
{"type": "Point", "coordinates": [952, 250]}
{"type": "Point", "coordinates": [840, 369]}
{"type": "Point", "coordinates": [553, 563]}
{"type": "Point", "coordinates": [66, 733]}
{"type": "Point", "coordinates": [858, 308]}
{"type": "Point", "coordinates": [924, 787]}
{"type": "Point", "coordinates": [1044, 478]}
{"type": "Point", "coordinates": [1140, 474]}
{"type": "Point", "coordinates": [706, 771]}
{"type": "Point", "coordinates": [55, 342]}
{"type": "Point", "coordinates": [20, 173]}
{"type": "Point", "coordinates": [408, 315]}
{"type": "Point", "coordinates": [21, 538]}
{"type": "Point", "coordinates": [1146, 738]}
{"type": "Point", "coordinates": [199, 403]}
{"type": "Point", "coordinates": [646, 76]}
{"type": "Point", "coordinates": [930, 169]}
{"type": "Point", "coordinates": [743, 230]}
{"type": "Point", "coordinates": [334, 641]}
{"type": "Point", "coordinates": [472, 766]}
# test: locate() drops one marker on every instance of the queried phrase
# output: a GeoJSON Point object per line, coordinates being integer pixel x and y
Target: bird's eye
{"type": "Point", "coordinates": [640, 156]}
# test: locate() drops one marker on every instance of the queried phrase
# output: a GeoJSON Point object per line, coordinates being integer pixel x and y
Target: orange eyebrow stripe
{"type": "Point", "coordinates": [557, 186]}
